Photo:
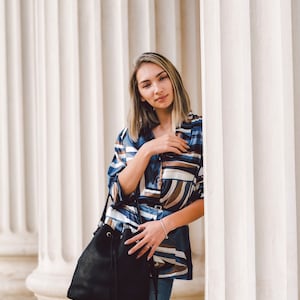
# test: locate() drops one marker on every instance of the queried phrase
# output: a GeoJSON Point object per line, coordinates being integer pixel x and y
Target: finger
{"type": "Point", "coordinates": [178, 149]}
{"type": "Point", "coordinates": [183, 147]}
{"type": "Point", "coordinates": [134, 239]}
{"type": "Point", "coordinates": [181, 143]}
{"type": "Point", "coordinates": [151, 253]}
{"type": "Point", "coordinates": [175, 150]}
{"type": "Point", "coordinates": [136, 247]}
{"type": "Point", "coordinates": [143, 251]}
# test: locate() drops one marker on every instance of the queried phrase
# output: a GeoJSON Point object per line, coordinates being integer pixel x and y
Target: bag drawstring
{"type": "Point", "coordinates": [154, 277]}
{"type": "Point", "coordinates": [153, 270]}
{"type": "Point", "coordinates": [115, 268]}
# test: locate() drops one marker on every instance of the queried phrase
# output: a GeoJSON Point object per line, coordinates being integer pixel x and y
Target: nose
{"type": "Point", "coordinates": [157, 88]}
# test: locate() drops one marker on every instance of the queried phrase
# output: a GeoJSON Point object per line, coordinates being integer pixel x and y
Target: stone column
{"type": "Point", "coordinates": [70, 139]}
{"type": "Point", "coordinates": [273, 103]}
{"type": "Point", "coordinates": [251, 229]}
{"type": "Point", "coordinates": [18, 239]}
{"type": "Point", "coordinates": [84, 54]}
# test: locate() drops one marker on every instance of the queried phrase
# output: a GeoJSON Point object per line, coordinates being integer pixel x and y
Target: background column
{"type": "Point", "coordinates": [85, 51]}
{"type": "Point", "coordinates": [18, 239]}
{"type": "Point", "coordinates": [70, 135]}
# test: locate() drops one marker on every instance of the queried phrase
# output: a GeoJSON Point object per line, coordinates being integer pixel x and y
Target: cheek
{"type": "Point", "coordinates": [141, 94]}
{"type": "Point", "coordinates": [170, 86]}
{"type": "Point", "coordinates": [145, 94]}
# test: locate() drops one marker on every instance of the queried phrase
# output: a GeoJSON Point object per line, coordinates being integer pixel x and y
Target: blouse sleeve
{"type": "Point", "coordinates": [199, 189]}
{"type": "Point", "coordinates": [124, 150]}
{"type": "Point", "coordinates": [197, 144]}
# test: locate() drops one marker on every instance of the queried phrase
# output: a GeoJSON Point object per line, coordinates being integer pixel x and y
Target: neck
{"type": "Point", "coordinates": [165, 119]}
{"type": "Point", "coordinates": [165, 126]}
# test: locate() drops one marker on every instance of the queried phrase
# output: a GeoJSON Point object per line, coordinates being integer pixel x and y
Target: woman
{"type": "Point", "coordinates": [158, 161]}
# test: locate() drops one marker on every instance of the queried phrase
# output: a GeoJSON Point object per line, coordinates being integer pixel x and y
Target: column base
{"type": "Point", "coordinates": [13, 273]}
{"type": "Point", "coordinates": [50, 286]}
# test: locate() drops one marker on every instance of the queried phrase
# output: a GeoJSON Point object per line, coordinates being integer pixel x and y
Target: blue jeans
{"type": "Point", "coordinates": [164, 289]}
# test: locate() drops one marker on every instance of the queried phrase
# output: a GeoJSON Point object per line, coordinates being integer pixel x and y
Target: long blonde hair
{"type": "Point", "coordinates": [141, 114]}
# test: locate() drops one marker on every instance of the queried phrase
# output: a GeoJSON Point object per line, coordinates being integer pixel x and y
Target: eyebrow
{"type": "Point", "coordinates": [157, 75]}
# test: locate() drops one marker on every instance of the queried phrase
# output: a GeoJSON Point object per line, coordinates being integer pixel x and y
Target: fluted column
{"type": "Point", "coordinates": [70, 148]}
{"type": "Point", "coordinates": [251, 229]}
{"type": "Point", "coordinates": [18, 240]}
{"type": "Point", "coordinates": [276, 235]}
{"type": "Point", "coordinates": [85, 51]}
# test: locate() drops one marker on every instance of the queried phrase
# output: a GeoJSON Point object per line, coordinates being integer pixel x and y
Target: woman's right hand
{"type": "Point", "coordinates": [131, 175]}
{"type": "Point", "coordinates": [166, 143]}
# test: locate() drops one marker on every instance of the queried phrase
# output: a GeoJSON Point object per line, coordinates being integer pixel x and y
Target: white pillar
{"type": "Point", "coordinates": [273, 104]}
{"type": "Point", "coordinates": [18, 238]}
{"type": "Point", "coordinates": [70, 140]}
{"type": "Point", "coordinates": [85, 51]}
{"type": "Point", "coordinates": [115, 67]}
{"type": "Point", "coordinates": [251, 229]}
{"type": "Point", "coordinates": [228, 151]}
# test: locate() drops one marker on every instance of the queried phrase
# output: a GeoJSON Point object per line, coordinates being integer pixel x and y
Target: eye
{"type": "Point", "coordinates": [163, 77]}
{"type": "Point", "coordinates": [146, 85]}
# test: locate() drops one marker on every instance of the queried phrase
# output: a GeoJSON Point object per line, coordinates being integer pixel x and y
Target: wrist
{"type": "Point", "coordinates": [169, 224]}
{"type": "Point", "coordinates": [164, 228]}
{"type": "Point", "coordinates": [146, 151]}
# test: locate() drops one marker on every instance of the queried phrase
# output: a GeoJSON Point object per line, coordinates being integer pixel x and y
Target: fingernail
{"type": "Point", "coordinates": [129, 252]}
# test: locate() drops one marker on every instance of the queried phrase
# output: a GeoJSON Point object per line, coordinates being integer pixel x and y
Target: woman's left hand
{"type": "Point", "coordinates": [150, 236]}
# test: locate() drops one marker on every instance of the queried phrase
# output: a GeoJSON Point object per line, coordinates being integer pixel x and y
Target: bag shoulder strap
{"type": "Point", "coordinates": [105, 208]}
{"type": "Point", "coordinates": [135, 202]}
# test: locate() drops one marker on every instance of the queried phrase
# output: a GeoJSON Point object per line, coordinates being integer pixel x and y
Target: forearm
{"type": "Point", "coordinates": [184, 216]}
{"type": "Point", "coordinates": [131, 175]}
{"type": "Point", "coordinates": [133, 172]}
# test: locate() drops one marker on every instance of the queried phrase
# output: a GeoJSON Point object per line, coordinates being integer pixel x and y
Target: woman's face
{"type": "Point", "coordinates": [155, 86]}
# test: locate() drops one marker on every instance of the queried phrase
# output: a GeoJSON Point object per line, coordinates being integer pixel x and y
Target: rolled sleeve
{"type": "Point", "coordinates": [124, 150]}
{"type": "Point", "coordinates": [197, 142]}
{"type": "Point", "coordinates": [199, 190]}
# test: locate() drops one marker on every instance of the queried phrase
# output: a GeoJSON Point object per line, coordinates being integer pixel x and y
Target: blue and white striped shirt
{"type": "Point", "coordinates": [170, 182]}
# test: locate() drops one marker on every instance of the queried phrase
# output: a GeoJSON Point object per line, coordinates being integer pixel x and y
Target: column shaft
{"type": "Point", "coordinates": [18, 240]}
{"type": "Point", "coordinates": [237, 150]}
{"type": "Point", "coordinates": [273, 108]}
{"type": "Point", "coordinates": [85, 54]}
{"type": "Point", "coordinates": [250, 150]}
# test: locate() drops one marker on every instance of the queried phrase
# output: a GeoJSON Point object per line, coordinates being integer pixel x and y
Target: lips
{"type": "Point", "coordinates": [161, 98]}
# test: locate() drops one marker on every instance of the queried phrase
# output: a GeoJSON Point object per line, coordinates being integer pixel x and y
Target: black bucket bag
{"type": "Point", "coordinates": [105, 271]}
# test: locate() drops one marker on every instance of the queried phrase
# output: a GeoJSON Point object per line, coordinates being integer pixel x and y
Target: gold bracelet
{"type": "Point", "coordinates": [164, 228]}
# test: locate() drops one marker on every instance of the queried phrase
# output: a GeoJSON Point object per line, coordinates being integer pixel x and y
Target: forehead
{"type": "Point", "coordinates": [148, 71]}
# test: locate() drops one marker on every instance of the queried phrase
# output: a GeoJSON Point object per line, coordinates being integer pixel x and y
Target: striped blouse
{"type": "Point", "coordinates": [170, 182]}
